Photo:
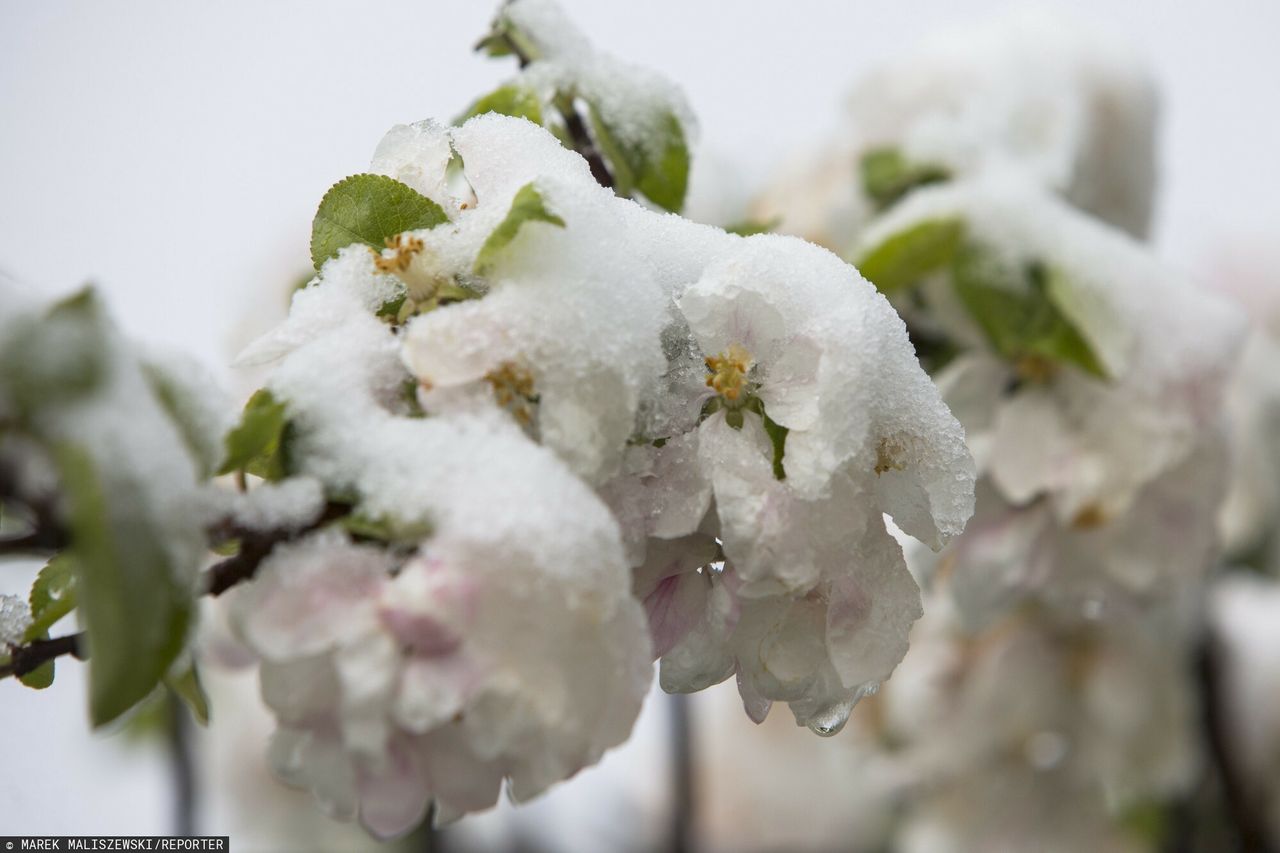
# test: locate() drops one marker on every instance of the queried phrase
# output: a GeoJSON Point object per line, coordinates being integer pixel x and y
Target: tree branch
{"type": "Point", "coordinates": [256, 546]}
{"type": "Point", "coordinates": [28, 658]}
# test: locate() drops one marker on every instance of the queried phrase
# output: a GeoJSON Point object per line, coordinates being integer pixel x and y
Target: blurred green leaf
{"type": "Point", "coordinates": [509, 100]}
{"type": "Point", "coordinates": [53, 595]}
{"type": "Point", "coordinates": [750, 227]}
{"type": "Point", "coordinates": [40, 677]}
{"type": "Point", "coordinates": [657, 168]}
{"type": "Point", "coordinates": [188, 688]}
{"type": "Point", "coordinates": [57, 359]}
{"type": "Point", "coordinates": [887, 176]}
{"type": "Point", "coordinates": [527, 206]}
{"type": "Point", "coordinates": [384, 529]}
{"type": "Point", "coordinates": [908, 256]}
{"type": "Point", "coordinates": [258, 443]}
{"type": "Point", "coordinates": [133, 605]}
{"type": "Point", "coordinates": [368, 209]}
{"type": "Point", "coordinates": [1016, 310]}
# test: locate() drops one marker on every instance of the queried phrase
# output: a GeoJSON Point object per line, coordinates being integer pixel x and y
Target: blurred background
{"type": "Point", "coordinates": [173, 153]}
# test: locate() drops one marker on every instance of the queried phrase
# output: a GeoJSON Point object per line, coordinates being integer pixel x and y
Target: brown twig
{"type": "Point", "coordinates": [28, 658]}
{"type": "Point", "coordinates": [256, 546]}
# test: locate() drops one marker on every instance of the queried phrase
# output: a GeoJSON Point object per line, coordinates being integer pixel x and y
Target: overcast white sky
{"type": "Point", "coordinates": [174, 153]}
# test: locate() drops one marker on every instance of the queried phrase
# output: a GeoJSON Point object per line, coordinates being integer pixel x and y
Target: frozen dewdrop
{"type": "Point", "coordinates": [15, 618]}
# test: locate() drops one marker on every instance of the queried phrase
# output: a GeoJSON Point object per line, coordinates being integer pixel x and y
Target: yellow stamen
{"type": "Point", "coordinates": [888, 454]}
{"type": "Point", "coordinates": [404, 248]}
{"type": "Point", "coordinates": [1089, 517]}
{"type": "Point", "coordinates": [727, 372]}
{"type": "Point", "coordinates": [513, 389]}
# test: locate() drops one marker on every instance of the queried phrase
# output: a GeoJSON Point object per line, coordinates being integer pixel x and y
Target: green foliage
{"type": "Point", "coordinates": [187, 687]}
{"type": "Point", "coordinates": [258, 444]}
{"type": "Point", "coordinates": [506, 39]}
{"type": "Point", "coordinates": [527, 206]}
{"type": "Point", "coordinates": [385, 529]}
{"type": "Point", "coordinates": [750, 227]}
{"type": "Point", "coordinates": [178, 401]}
{"type": "Point", "coordinates": [887, 176]}
{"type": "Point", "coordinates": [1018, 312]}
{"type": "Point", "coordinates": [658, 168]}
{"type": "Point", "coordinates": [908, 256]}
{"type": "Point", "coordinates": [57, 359]}
{"type": "Point", "coordinates": [368, 209]}
{"type": "Point", "coordinates": [509, 100]}
{"type": "Point", "coordinates": [134, 607]}
{"type": "Point", "coordinates": [53, 595]}
{"type": "Point", "coordinates": [778, 437]}
{"type": "Point", "coordinates": [40, 677]}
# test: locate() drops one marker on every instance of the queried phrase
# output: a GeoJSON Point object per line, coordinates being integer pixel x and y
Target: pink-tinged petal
{"type": "Point", "coordinates": [311, 598]}
{"type": "Point", "coordinates": [393, 800]}
{"type": "Point", "coordinates": [870, 611]}
{"type": "Point", "coordinates": [671, 589]}
{"type": "Point", "coordinates": [422, 633]}
{"type": "Point", "coordinates": [675, 606]}
{"type": "Point", "coordinates": [434, 690]}
{"type": "Point", "coordinates": [756, 706]}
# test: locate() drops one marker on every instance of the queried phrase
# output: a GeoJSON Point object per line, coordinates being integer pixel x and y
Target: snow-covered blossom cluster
{"type": "Point", "coordinates": [615, 400]}
{"type": "Point", "coordinates": [995, 187]}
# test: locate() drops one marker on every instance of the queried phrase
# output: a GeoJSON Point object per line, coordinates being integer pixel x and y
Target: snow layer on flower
{"type": "Point", "coordinates": [614, 316]}
{"type": "Point", "coordinates": [1167, 347]}
{"type": "Point", "coordinates": [632, 98]}
{"type": "Point", "coordinates": [509, 646]}
{"type": "Point", "coordinates": [1067, 107]}
{"type": "Point", "coordinates": [287, 505]}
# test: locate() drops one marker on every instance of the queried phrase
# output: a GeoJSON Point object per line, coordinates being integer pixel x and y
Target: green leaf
{"type": "Point", "coordinates": [657, 167]}
{"type": "Point", "coordinates": [908, 256]}
{"type": "Point", "coordinates": [134, 606]}
{"type": "Point", "coordinates": [750, 227]}
{"type": "Point", "coordinates": [188, 688]}
{"type": "Point", "coordinates": [506, 39]}
{"type": "Point", "coordinates": [509, 100]}
{"type": "Point", "coordinates": [40, 677]}
{"type": "Point", "coordinates": [1016, 311]}
{"type": "Point", "coordinates": [368, 209]}
{"type": "Point", "coordinates": [258, 444]}
{"type": "Point", "coordinates": [53, 595]}
{"type": "Point", "coordinates": [527, 206]}
{"type": "Point", "coordinates": [887, 176]}
{"type": "Point", "coordinates": [385, 529]}
{"type": "Point", "coordinates": [778, 437]}
{"type": "Point", "coordinates": [181, 402]}
{"type": "Point", "coordinates": [57, 359]}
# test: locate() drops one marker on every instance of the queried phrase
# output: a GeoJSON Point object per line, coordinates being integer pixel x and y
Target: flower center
{"type": "Point", "coordinates": [727, 373]}
{"type": "Point", "coordinates": [403, 249]}
{"type": "Point", "coordinates": [513, 388]}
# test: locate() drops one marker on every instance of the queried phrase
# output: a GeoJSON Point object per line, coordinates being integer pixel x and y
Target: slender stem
{"type": "Point", "coordinates": [1246, 819]}
{"type": "Point", "coordinates": [573, 123]}
{"type": "Point", "coordinates": [683, 796]}
{"type": "Point", "coordinates": [256, 546]}
{"type": "Point", "coordinates": [182, 767]}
